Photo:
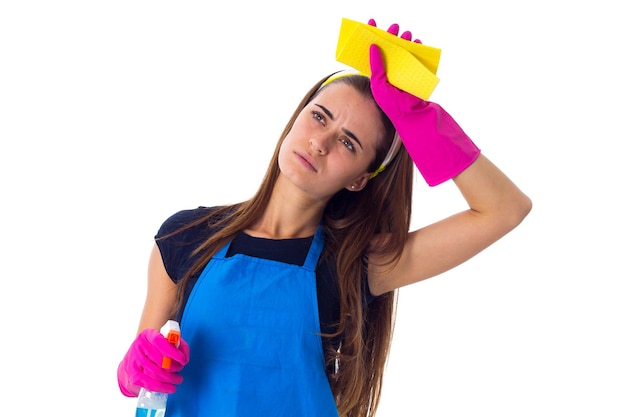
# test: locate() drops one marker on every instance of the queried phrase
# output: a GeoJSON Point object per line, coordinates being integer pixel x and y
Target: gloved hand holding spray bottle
{"type": "Point", "coordinates": [150, 368]}
{"type": "Point", "coordinates": [152, 403]}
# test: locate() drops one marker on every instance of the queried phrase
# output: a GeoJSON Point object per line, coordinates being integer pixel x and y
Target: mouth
{"type": "Point", "coordinates": [307, 161]}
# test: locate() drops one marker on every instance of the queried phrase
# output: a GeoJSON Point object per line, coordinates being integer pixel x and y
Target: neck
{"type": "Point", "coordinates": [289, 214]}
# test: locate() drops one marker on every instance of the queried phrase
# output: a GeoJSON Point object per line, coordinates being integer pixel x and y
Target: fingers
{"type": "Point", "coordinates": [142, 365]}
{"type": "Point", "coordinates": [377, 65]}
{"type": "Point", "coordinates": [179, 362]}
{"type": "Point", "coordinates": [154, 347]}
{"type": "Point", "coordinates": [178, 354]}
{"type": "Point", "coordinates": [394, 29]}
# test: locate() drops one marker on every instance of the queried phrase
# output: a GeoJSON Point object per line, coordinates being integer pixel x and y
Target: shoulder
{"type": "Point", "coordinates": [182, 218]}
{"type": "Point", "coordinates": [178, 237]}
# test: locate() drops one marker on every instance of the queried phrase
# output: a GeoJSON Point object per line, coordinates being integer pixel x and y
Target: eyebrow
{"type": "Point", "coordinates": [346, 131]}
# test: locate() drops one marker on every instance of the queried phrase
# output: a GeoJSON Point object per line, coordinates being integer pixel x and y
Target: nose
{"type": "Point", "coordinates": [320, 144]}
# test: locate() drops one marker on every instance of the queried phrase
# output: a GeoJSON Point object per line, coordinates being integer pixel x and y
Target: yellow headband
{"type": "Point", "coordinates": [393, 150]}
{"type": "Point", "coordinates": [395, 144]}
{"type": "Point", "coordinates": [340, 74]}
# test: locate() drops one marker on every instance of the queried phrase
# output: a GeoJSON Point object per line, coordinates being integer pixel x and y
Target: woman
{"type": "Point", "coordinates": [286, 300]}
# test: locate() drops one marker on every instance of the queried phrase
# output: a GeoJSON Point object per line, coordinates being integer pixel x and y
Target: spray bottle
{"type": "Point", "coordinates": [150, 403]}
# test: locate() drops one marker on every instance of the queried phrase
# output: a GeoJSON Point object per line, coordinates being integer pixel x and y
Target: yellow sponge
{"type": "Point", "coordinates": [410, 66]}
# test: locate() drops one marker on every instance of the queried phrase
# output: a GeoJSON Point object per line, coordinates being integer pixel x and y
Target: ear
{"type": "Point", "coordinates": [359, 183]}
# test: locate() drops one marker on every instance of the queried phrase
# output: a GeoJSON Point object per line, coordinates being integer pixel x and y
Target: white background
{"type": "Point", "coordinates": [116, 114]}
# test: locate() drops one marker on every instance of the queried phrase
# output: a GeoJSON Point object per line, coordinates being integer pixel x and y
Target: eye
{"type": "Point", "coordinates": [348, 144]}
{"type": "Point", "coordinates": [319, 117]}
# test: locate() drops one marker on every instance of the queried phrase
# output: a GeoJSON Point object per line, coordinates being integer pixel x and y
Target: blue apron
{"type": "Point", "coordinates": [254, 334]}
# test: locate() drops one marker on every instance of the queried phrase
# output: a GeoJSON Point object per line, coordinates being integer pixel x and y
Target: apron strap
{"type": "Point", "coordinates": [315, 250]}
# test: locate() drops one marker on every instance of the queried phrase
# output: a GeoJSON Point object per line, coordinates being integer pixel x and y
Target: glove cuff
{"type": "Point", "coordinates": [438, 146]}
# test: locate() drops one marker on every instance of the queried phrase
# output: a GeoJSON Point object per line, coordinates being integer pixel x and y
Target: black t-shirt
{"type": "Point", "coordinates": [176, 252]}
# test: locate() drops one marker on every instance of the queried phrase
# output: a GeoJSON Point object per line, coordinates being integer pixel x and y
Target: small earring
{"type": "Point", "coordinates": [352, 187]}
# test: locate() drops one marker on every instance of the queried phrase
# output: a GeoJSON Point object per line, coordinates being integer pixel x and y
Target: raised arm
{"type": "Point", "coordinates": [496, 206]}
{"type": "Point", "coordinates": [442, 151]}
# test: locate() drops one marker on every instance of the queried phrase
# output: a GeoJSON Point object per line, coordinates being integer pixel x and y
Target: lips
{"type": "Point", "coordinates": [307, 161]}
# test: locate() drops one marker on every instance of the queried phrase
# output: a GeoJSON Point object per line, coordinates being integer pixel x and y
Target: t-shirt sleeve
{"type": "Point", "coordinates": [176, 249]}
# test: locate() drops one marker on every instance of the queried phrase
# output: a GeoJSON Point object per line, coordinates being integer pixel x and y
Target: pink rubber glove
{"type": "Point", "coordinates": [435, 142]}
{"type": "Point", "coordinates": [142, 364]}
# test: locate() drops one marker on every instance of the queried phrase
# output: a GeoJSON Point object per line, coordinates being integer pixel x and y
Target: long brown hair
{"type": "Point", "coordinates": [350, 221]}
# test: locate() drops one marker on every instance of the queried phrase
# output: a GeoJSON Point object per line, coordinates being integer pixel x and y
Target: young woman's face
{"type": "Point", "coordinates": [332, 142]}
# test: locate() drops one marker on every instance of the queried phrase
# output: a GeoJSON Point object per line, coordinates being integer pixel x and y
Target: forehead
{"type": "Point", "coordinates": [345, 94]}
{"type": "Point", "coordinates": [350, 106]}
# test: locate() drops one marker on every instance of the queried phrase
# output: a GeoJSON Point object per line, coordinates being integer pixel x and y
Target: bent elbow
{"type": "Point", "coordinates": [520, 208]}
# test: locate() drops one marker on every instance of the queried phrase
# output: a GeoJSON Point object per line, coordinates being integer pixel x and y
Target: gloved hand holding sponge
{"type": "Point", "coordinates": [436, 143]}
